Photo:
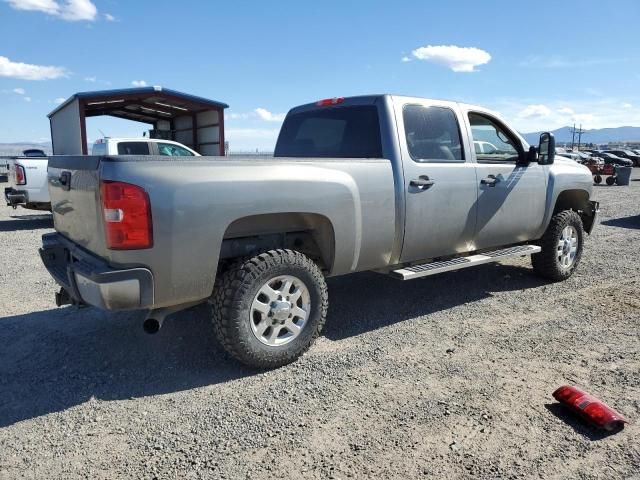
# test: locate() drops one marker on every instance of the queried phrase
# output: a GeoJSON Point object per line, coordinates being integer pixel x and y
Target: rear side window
{"type": "Point", "coordinates": [133, 148]}
{"type": "Point", "coordinates": [343, 132]}
{"type": "Point", "coordinates": [432, 134]}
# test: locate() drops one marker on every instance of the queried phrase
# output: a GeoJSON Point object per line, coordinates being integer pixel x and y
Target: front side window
{"type": "Point", "coordinates": [172, 150]}
{"type": "Point", "coordinates": [133, 148]}
{"type": "Point", "coordinates": [432, 134]}
{"type": "Point", "coordinates": [491, 141]}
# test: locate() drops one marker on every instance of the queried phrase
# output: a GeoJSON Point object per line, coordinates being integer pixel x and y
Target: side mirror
{"type": "Point", "coordinates": [546, 149]}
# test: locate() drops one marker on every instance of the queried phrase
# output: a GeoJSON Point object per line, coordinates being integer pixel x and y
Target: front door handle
{"type": "Point", "coordinates": [422, 182]}
{"type": "Point", "coordinates": [491, 180]}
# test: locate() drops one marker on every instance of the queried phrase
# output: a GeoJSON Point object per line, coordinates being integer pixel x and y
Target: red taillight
{"type": "Point", "coordinates": [589, 407]}
{"type": "Point", "coordinates": [329, 101]}
{"type": "Point", "coordinates": [127, 216]}
{"type": "Point", "coordinates": [21, 178]}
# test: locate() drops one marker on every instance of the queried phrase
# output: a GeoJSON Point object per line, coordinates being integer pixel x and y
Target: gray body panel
{"type": "Point", "coordinates": [378, 221]}
{"type": "Point", "coordinates": [195, 201]}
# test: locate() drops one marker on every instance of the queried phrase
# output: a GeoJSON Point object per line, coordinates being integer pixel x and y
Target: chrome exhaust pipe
{"type": "Point", "coordinates": [152, 325]}
{"type": "Point", "coordinates": [155, 318]}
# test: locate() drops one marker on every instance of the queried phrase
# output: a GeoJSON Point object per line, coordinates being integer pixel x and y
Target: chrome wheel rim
{"type": "Point", "coordinates": [280, 310]}
{"type": "Point", "coordinates": [567, 247]}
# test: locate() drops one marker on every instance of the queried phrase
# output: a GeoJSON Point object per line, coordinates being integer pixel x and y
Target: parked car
{"type": "Point", "coordinates": [27, 181]}
{"type": "Point", "coordinates": [572, 155]}
{"type": "Point", "coordinates": [141, 146]}
{"type": "Point", "coordinates": [28, 173]}
{"type": "Point", "coordinates": [34, 152]}
{"type": "Point", "coordinates": [610, 158]}
{"type": "Point", "coordinates": [484, 147]}
{"type": "Point", "coordinates": [628, 154]}
{"type": "Point", "coordinates": [385, 183]}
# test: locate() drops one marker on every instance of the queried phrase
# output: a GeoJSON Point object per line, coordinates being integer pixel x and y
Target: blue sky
{"type": "Point", "coordinates": [542, 64]}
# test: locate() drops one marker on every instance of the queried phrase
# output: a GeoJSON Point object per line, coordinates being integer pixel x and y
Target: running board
{"type": "Point", "coordinates": [417, 271]}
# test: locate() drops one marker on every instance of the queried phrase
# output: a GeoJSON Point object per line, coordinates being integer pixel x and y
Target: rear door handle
{"type": "Point", "coordinates": [491, 180]}
{"type": "Point", "coordinates": [422, 182]}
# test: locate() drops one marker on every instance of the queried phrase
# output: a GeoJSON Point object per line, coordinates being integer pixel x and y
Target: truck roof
{"type": "Point", "coordinates": [373, 98]}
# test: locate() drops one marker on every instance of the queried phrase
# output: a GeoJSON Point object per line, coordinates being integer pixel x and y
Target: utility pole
{"type": "Point", "coordinates": [580, 132]}
{"type": "Point", "coordinates": [576, 131]}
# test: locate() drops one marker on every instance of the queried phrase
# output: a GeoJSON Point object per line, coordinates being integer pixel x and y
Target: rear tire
{"type": "Point", "coordinates": [597, 179]}
{"type": "Point", "coordinates": [562, 245]}
{"type": "Point", "coordinates": [269, 309]}
{"type": "Point", "coordinates": [611, 180]}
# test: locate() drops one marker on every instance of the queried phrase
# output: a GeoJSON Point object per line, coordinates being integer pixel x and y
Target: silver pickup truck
{"type": "Point", "coordinates": [385, 183]}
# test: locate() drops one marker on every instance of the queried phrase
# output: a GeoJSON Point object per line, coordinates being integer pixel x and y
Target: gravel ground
{"type": "Point", "coordinates": [444, 377]}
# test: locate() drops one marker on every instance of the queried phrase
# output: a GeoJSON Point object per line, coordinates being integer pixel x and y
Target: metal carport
{"type": "Point", "coordinates": [193, 121]}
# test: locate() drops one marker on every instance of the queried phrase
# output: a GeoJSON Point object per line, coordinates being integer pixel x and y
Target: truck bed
{"type": "Point", "coordinates": [197, 202]}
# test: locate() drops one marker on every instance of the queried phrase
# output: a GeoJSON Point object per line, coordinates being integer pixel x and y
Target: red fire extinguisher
{"type": "Point", "coordinates": [590, 408]}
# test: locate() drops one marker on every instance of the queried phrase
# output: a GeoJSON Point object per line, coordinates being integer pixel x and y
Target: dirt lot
{"type": "Point", "coordinates": [445, 377]}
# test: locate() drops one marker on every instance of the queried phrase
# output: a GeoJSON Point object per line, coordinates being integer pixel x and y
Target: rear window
{"type": "Point", "coordinates": [133, 148]}
{"type": "Point", "coordinates": [343, 132]}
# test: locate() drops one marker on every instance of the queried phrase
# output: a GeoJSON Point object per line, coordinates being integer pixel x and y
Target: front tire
{"type": "Point", "coordinates": [561, 244]}
{"type": "Point", "coordinates": [269, 309]}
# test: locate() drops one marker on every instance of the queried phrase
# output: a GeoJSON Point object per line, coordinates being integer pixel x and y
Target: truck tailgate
{"type": "Point", "coordinates": [74, 191]}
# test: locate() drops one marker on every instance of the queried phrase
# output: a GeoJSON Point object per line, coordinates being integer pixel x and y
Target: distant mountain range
{"type": "Point", "coordinates": [596, 135]}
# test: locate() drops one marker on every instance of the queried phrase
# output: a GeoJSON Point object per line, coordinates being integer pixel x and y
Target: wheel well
{"type": "Point", "coordinates": [308, 233]}
{"type": "Point", "coordinates": [577, 200]}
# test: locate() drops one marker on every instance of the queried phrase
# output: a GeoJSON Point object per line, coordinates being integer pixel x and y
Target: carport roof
{"type": "Point", "coordinates": [144, 104]}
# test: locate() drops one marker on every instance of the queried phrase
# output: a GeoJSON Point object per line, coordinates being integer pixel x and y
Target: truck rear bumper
{"type": "Point", "coordinates": [88, 279]}
{"type": "Point", "coordinates": [15, 197]}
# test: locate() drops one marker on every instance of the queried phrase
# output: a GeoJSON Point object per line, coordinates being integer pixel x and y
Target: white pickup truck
{"type": "Point", "coordinates": [28, 173]}
{"type": "Point", "coordinates": [27, 180]}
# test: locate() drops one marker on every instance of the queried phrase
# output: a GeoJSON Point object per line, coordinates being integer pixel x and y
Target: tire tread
{"type": "Point", "coordinates": [226, 303]}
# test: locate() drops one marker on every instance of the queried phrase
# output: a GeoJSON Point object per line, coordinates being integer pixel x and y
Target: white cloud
{"type": "Point", "coordinates": [59, 100]}
{"type": "Point", "coordinates": [139, 83]}
{"type": "Point", "coordinates": [458, 59]}
{"type": "Point", "coordinates": [237, 116]}
{"type": "Point", "coordinates": [71, 10]}
{"type": "Point", "coordinates": [19, 91]}
{"type": "Point", "coordinates": [26, 71]}
{"type": "Point", "coordinates": [266, 115]}
{"type": "Point", "coordinates": [405, 59]}
{"type": "Point", "coordinates": [90, 79]}
{"type": "Point", "coordinates": [109, 18]}
{"type": "Point", "coordinates": [27, 99]}
{"type": "Point", "coordinates": [535, 111]}
{"type": "Point", "coordinates": [627, 105]}
{"type": "Point", "coordinates": [49, 7]}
